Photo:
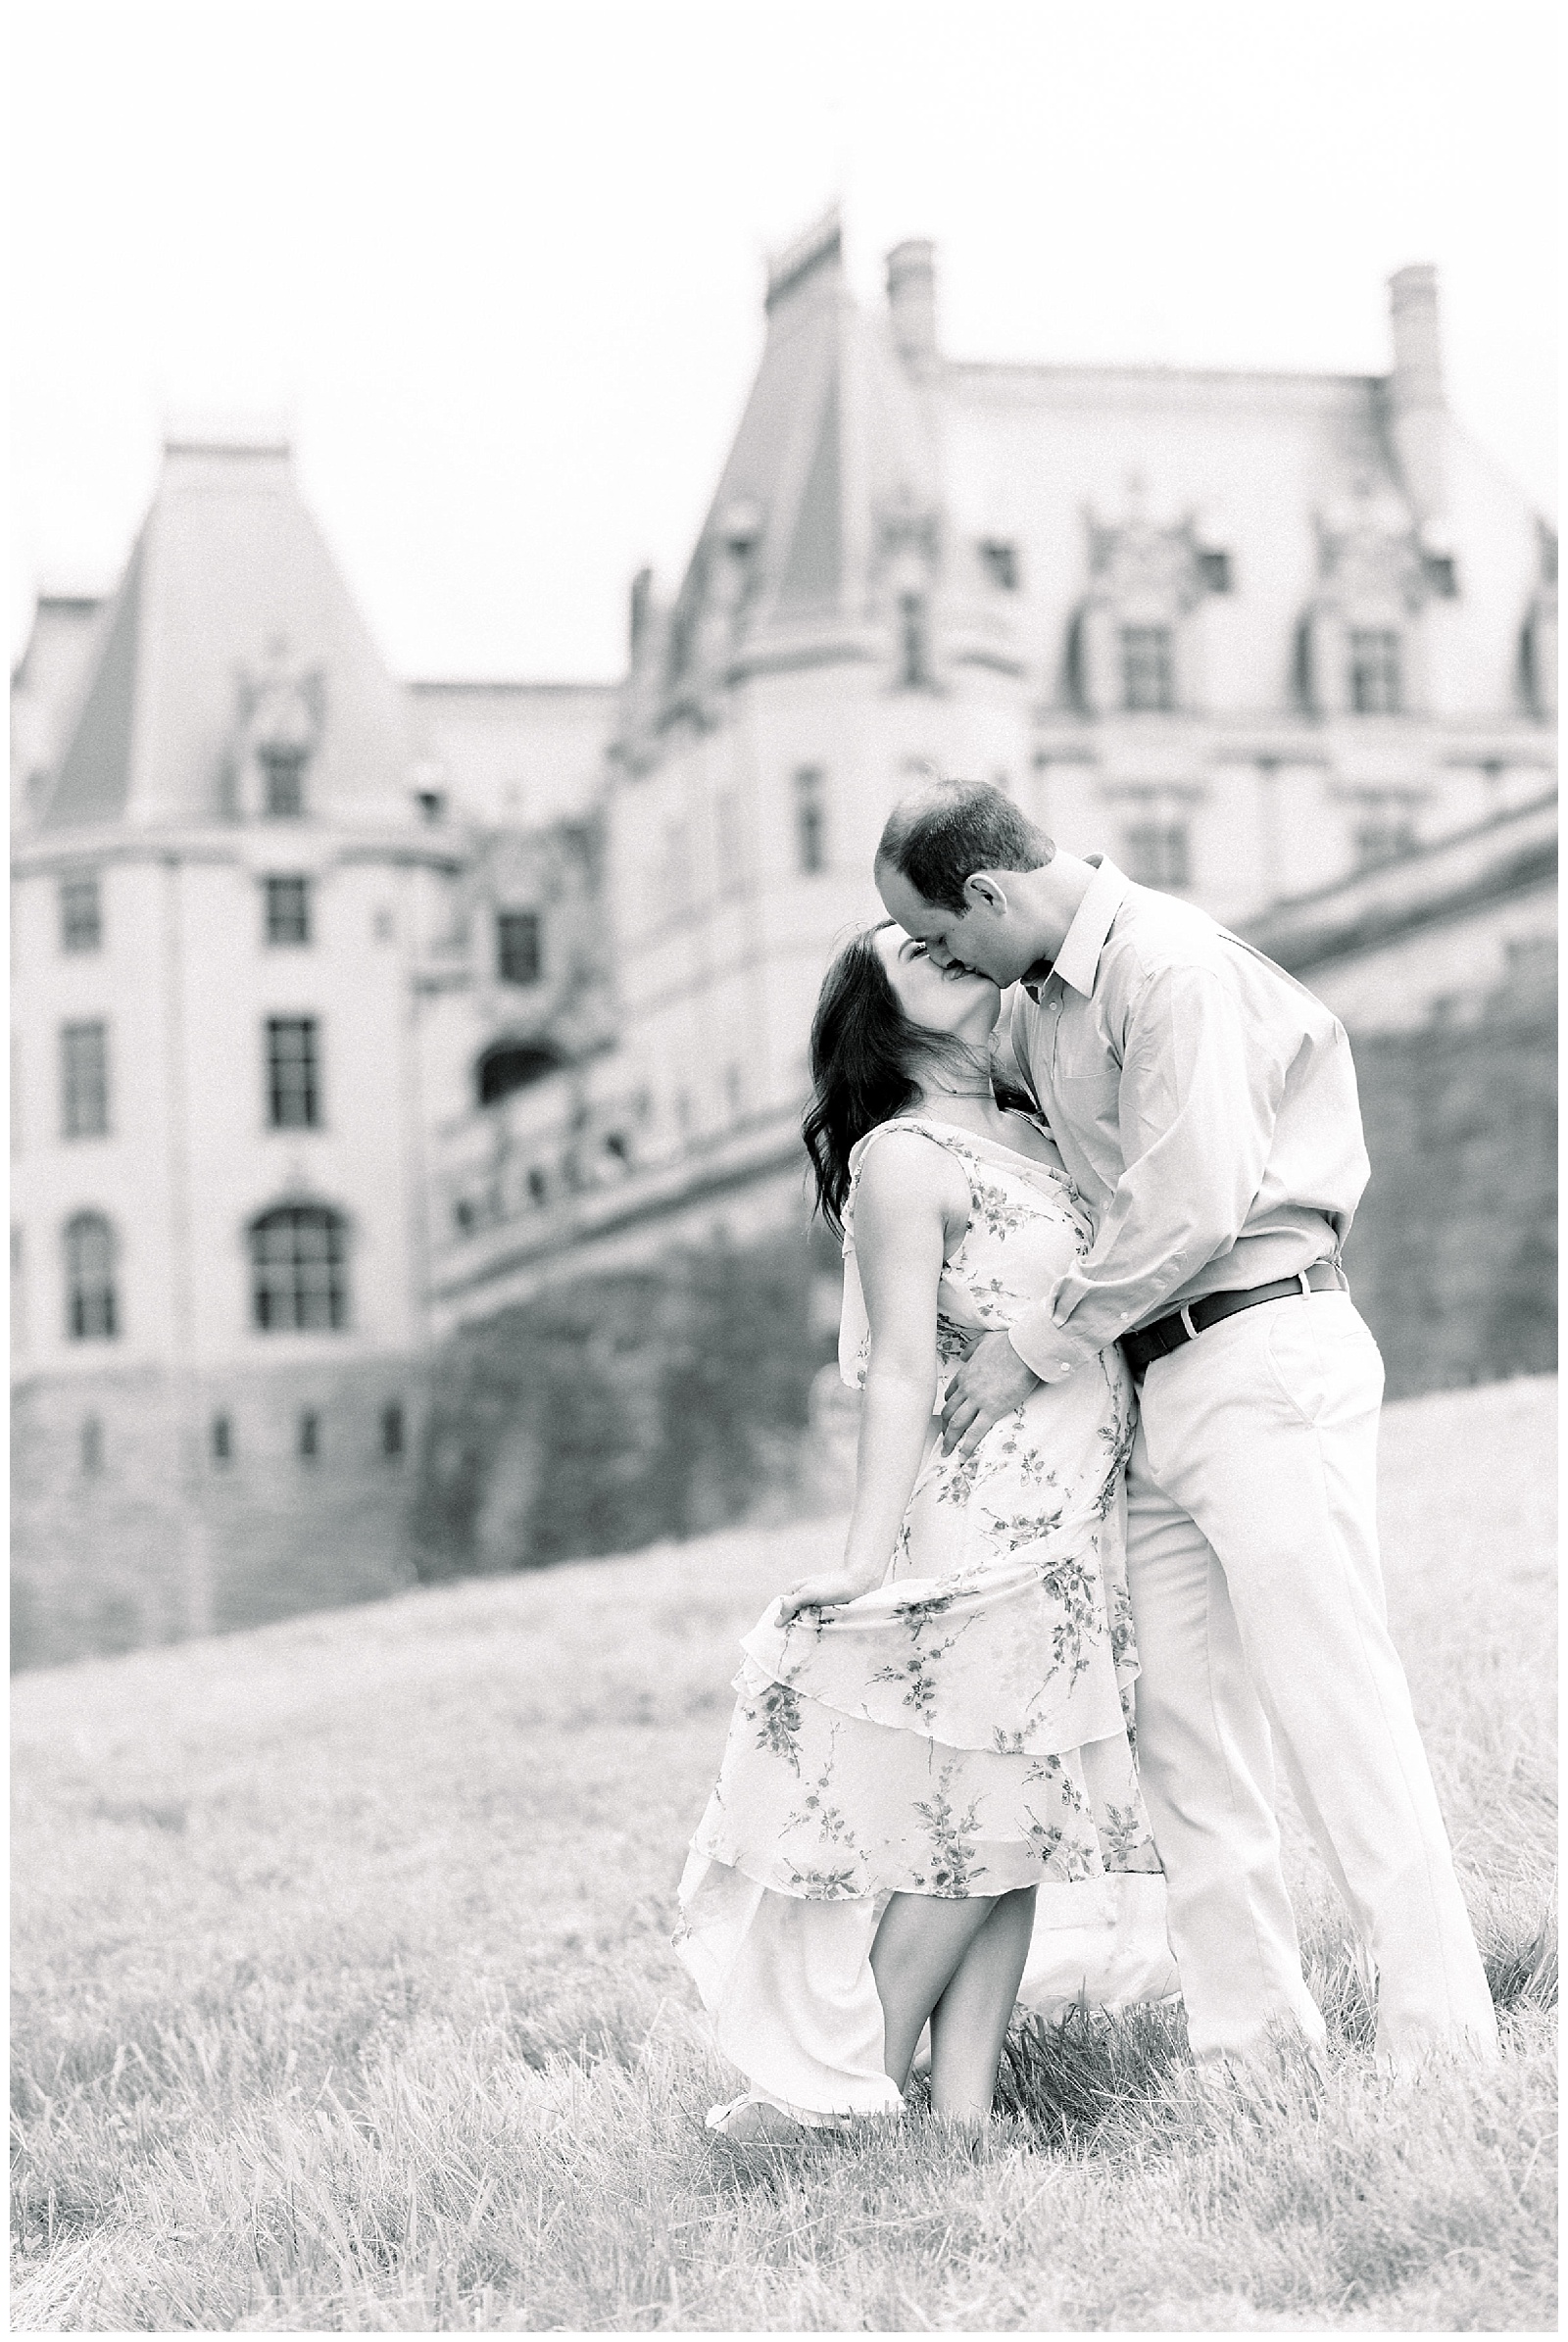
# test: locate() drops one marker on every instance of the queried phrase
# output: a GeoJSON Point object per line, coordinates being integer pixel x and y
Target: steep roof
{"type": "Point", "coordinates": [229, 580]}
{"type": "Point", "coordinates": [832, 433]}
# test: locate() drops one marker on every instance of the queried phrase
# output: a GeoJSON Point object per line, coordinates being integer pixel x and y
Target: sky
{"type": "Point", "coordinates": [499, 271]}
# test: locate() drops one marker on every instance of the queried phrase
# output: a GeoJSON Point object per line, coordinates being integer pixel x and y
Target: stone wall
{"type": "Point", "coordinates": [143, 1534]}
{"type": "Point", "coordinates": [1453, 1255]}
{"type": "Point", "coordinates": [611, 1412]}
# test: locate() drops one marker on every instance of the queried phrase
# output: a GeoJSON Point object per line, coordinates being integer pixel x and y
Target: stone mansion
{"type": "Point", "coordinates": [349, 1010]}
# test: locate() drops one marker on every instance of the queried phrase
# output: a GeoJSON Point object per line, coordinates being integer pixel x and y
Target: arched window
{"type": "Point", "coordinates": [299, 1270]}
{"type": "Point", "coordinates": [512, 1065]}
{"type": "Point", "coordinates": [92, 1312]}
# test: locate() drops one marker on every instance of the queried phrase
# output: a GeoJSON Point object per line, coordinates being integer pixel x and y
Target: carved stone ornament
{"type": "Point", "coordinates": [908, 542]}
{"type": "Point", "coordinates": [1137, 563]}
{"type": "Point", "coordinates": [279, 716]}
{"type": "Point", "coordinates": [1369, 553]}
{"type": "Point", "coordinates": [281, 711]}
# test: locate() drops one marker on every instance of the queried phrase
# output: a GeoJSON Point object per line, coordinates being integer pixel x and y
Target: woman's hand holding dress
{"type": "Point", "coordinates": [828, 1591]}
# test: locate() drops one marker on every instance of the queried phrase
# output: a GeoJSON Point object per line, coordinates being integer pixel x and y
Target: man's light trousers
{"type": "Point", "coordinates": [1258, 1597]}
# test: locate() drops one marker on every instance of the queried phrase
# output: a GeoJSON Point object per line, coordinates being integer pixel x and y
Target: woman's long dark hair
{"type": "Point", "coordinates": [868, 1062]}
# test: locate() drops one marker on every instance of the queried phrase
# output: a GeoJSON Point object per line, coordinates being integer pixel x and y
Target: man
{"type": "Point", "coordinates": [1205, 1106]}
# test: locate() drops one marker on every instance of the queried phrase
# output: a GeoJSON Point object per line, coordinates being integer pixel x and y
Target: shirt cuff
{"type": "Point", "coordinates": [1048, 1349]}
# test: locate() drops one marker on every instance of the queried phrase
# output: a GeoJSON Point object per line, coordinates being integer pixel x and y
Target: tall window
{"type": "Point", "coordinates": [293, 1073]}
{"type": "Point", "coordinates": [309, 1443]}
{"type": "Point", "coordinates": [392, 1428]}
{"type": "Point", "coordinates": [1375, 671]}
{"type": "Point", "coordinates": [222, 1439]}
{"type": "Point", "coordinates": [914, 642]}
{"type": "Point", "coordinates": [84, 1081]}
{"type": "Point", "coordinates": [92, 1447]}
{"type": "Point", "coordinates": [1158, 854]}
{"type": "Point", "coordinates": [810, 820]}
{"type": "Point", "coordinates": [299, 1270]}
{"type": "Point", "coordinates": [288, 911]}
{"type": "Point", "coordinates": [1147, 669]}
{"type": "Point", "coordinates": [283, 782]}
{"type": "Point", "coordinates": [81, 915]}
{"type": "Point", "coordinates": [92, 1312]}
{"type": "Point", "coordinates": [518, 957]}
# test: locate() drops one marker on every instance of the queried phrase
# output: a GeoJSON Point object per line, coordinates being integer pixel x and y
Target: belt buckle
{"type": "Point", "coordinates": [1185, 1314]}
{"type": "Point", "coordinates": [1305, 1277]}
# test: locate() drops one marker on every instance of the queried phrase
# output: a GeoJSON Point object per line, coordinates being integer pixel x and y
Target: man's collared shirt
{"type": "Point", "coordinates": [1205, 1103]}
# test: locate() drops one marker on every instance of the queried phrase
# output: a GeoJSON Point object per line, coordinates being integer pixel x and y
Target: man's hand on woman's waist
{"type": "Point", "coordinates": [992, 1381]}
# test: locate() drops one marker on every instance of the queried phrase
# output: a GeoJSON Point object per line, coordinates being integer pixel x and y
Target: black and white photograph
{"type": "Point", "coordinates": [783, 1166]}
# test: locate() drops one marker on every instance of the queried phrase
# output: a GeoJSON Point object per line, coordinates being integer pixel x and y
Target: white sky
{"type": "Point", "coordinates": [502, 269]}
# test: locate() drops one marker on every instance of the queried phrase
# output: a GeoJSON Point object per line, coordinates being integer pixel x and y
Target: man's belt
{"type": "Point", "coordinates": [1168, 1333]}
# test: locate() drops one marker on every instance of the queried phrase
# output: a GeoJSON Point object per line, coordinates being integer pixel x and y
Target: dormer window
{"type": "Point", "coordinates": [1375, 687]}
{"type": "Point", "coordinates": [1147, 669]}
{"type": "Point", "coordinates": [1442, 574]}
{"type": "Point", "coordinates": [1215, 568]}
{"type": "Point", "coordinates": [1000, 560]}
{"type": "Point", "coordinates": [283, 782]}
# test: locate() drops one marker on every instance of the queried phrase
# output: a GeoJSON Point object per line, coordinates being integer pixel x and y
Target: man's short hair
{"type": "Point", "coordinates": [938, 837]}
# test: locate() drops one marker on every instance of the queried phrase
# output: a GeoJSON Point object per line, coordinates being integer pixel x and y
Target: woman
{"type": "Point", "coordinates": [931, 1733]}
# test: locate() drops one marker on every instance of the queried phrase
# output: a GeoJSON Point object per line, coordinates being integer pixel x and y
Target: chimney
{"type": "Point", "coordinates": [1415, 388]}
{"type": "Point", "coordinates": [912, 303]}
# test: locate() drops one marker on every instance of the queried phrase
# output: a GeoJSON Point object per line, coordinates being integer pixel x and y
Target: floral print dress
{"type": "Point", "coordinates": [964, 1729]}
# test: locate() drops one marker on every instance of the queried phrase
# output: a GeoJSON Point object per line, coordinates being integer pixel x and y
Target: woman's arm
{"type": "Point", "coordinates": [911, 1203]}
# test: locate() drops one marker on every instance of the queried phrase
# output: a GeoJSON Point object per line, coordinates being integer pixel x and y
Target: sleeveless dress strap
{"type": "Point", "coordinates": [855, 1325]}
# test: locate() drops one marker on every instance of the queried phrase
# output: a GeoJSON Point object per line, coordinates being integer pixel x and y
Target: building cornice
{"type": "Point", "coordinates": [1183, 388]}
{"type": "Point", "coordinates": [245, 847]}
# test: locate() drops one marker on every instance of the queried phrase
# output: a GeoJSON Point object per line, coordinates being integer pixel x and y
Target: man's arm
{"type": "Point", "coordinates": [1200, 1090]}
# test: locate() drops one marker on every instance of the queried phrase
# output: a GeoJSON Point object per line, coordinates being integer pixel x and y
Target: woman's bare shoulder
{"type": "Point", "coordinates": [905, 1166]}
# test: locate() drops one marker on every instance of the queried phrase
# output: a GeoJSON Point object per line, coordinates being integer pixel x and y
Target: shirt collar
{"type": "Point", "coordinates": [1079, 957]}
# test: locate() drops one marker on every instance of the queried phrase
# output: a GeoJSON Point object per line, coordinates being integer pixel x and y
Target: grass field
{"type": "Point", "coordinates": [343, 1996]}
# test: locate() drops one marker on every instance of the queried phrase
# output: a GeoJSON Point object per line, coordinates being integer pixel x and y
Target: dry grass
{"type": "Point", "coordinates": [343, 1997]}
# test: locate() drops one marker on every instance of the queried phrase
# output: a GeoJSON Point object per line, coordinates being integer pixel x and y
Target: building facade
{"type": "Point", "coordinates": [349, 1011]}
{"type": "Point", "coordinates": [1247, 632]}
{"type": "Point", "coordinates": [275, 916]}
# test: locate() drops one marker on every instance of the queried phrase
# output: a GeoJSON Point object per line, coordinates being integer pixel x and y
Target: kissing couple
{"type": "Point", "coordinates": [1023, 1738]}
